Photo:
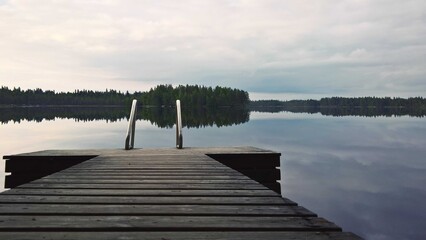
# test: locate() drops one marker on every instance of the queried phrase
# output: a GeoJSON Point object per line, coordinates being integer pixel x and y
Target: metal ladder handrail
{"type": "Point", "coordinates": [130, 135]}
{"type": "Point", "coordinates": [179, 137]}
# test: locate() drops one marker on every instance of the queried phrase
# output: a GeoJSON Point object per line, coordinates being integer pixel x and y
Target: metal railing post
{"type": "Point", "coordinates": [179, 137]}
{"type": "Point", "coordinates": [130, 136]}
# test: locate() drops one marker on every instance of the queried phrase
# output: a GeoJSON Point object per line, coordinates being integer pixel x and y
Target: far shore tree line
{"type": "Point", "coordinates": [161, 95]}
{"type": "Point", "coordinates": [192, 96]}
{"type": "Point", "coordinates": [345, 102]}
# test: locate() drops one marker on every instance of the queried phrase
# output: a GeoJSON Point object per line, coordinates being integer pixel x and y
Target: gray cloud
{"type": "Point", "coordinates": [322, 47]}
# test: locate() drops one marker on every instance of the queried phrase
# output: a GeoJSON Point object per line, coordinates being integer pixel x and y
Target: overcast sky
{"type": "Point", "coordinates": [274, 48]}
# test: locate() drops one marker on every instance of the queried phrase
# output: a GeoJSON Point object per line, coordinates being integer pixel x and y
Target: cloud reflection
{"type": "Point", "coordinates": [365, 174]}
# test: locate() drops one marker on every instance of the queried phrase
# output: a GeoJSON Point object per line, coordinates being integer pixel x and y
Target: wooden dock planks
{"type": "Point", "coordinates": [143, 195]}
{"type": "Point", "coordinates": [175, 235]}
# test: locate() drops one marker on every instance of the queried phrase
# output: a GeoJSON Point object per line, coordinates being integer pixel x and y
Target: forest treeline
{"type": "Point", "coordinates": [162, 95]}
{"type": "Point", "coordinates": [344, 102]}
{"type": "Point", "coordinates": [194, 96]}
{"type": "Point", "coordinates": [340, 106]}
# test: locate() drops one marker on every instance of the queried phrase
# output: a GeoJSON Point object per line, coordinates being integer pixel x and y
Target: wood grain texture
{"type": "Point", "coordinates": [237, 235]}
{"type": "Point", "coordinates": [137, 192]}
{"type": "Point", "coordinates": [159, 200]}
{"type": "Point", "coordinates": [182, 186]}
{"type": "Point", "coordinates": [164, 210]}
{"type": "Point", "coordinates": [164, 223]}
{"type": "Point", "coordinates": [159, 194]}
{"type": "Point", "coordinates": [142, 181]}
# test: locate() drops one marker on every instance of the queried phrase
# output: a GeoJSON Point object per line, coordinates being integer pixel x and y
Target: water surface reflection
{"type": "Point", "coordinates": [164, 117]}
{"type": "Point", "coordinates": [365, 174]}
{"type": "Point", "coordinates": [372, 170]}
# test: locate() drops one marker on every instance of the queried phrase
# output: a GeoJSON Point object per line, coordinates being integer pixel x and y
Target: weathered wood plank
{"type": "Point", "coordinates": [137, 192]}
{"type": "Point", "coordinates": [205, 175]}
{"type": "Point", "coordinates": [48, 164]}
{"type": "Point", "coordinates": [199, 160]}
{"type": "Point", "coordinates": [151, 162]}
{"type": "Point", "coordinates": [156, 152]}
{"type": "Point", "coordinates": [152, 168]}
{"type": "Point", "coordinates": [141, 158]}
{"type": "Point", "coordinates": [150, 165]}
{"type": "Point", "coordinates": [146, 176]}
{"type": "Point", "coordinates": [151, 172]}
{"type": "Point", "coordinates": [142, 186]}
{"type": "Point", "coordinates": [157, 210]}
{"type": "Point", "coordinates": [160, 160]}
{"type": "Point", "coordinates": [159, 200]}
{"type": "Point", "coordinates": [178, 235]}
{"type": "Point", "coordinates": [142, 181]}
{"type": "Point", "coordinates": [175, 158]}
{"type": "Point", "coordinates": [164, 223]}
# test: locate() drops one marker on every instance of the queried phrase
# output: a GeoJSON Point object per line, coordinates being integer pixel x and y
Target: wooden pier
{"type": "Point", "coordinates": [191, 193]}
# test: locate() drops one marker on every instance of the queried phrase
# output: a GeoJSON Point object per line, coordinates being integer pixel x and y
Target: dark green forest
{"type": "Point", "coordinates": [342, 102]}
{"type": "Point", "coordinates": [208, 98]}
{"type": "Point", "coordinates": [340, 106]}
{"type": "Point", "coordinates": [162, 95]}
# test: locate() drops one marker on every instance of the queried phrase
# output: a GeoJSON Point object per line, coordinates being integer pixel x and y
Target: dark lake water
{"type": "Point", "coordinates": [366, 174]}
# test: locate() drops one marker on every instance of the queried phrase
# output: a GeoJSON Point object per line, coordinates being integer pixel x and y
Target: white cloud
{"type": "Point", "coordinates": [326, 47]}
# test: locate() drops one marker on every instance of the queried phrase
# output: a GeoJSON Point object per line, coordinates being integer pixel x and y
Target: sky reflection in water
{"type": "Point", "coordinates": [367, 175]}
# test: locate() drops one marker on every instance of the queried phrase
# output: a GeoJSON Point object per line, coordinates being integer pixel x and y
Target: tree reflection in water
{"type": "Point", "coordinates": [163, 117]}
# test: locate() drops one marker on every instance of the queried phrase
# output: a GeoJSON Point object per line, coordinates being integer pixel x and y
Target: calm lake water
{"type": "Point", "coordinates": [366, 174]}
